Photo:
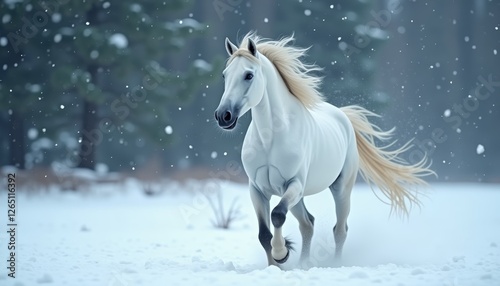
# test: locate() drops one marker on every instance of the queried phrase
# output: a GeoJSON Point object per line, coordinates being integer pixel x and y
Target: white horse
{"type": "Point", "coordinates": [297, 144]}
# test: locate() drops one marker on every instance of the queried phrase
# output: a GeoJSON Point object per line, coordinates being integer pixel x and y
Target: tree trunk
{"type": "Point", "coordinates": [16, 140]}
{"type": "Point", "coordinates": [91, 135]}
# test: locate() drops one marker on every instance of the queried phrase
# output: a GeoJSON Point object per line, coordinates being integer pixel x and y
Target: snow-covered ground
{"type": "Point", "coordinates": [115, 235]}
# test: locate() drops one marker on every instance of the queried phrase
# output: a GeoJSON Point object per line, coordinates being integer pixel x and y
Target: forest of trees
{"type": "Point", "coordinates": [89, 77]}
{"type": "Point", "coordinates": [127, 84]}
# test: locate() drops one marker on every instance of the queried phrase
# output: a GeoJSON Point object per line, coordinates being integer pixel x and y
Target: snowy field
{"type": "Point", "coordinates": [115, 235]}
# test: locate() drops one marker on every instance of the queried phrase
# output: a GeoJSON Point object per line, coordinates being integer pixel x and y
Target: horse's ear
{"type": "Point", "coordinates": [252, 47]}
{"type": "Point", "coordinates": [230, 47]}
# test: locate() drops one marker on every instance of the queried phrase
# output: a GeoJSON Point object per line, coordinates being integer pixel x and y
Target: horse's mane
{"type": "Point", "coordinates": [297, 75]}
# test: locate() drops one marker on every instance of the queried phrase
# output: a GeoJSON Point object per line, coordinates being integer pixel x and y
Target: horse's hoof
{"type": "Point", "coordinates": [284, 259]}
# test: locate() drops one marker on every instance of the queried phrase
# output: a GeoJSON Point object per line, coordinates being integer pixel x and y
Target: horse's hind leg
{"type": "Point", "coordinates": [341, 191]}
{"type": "Point", "coordinates": [306, 226]}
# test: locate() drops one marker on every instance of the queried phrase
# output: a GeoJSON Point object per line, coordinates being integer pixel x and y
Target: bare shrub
{"type": "Point", "coordinates": [223, 219]}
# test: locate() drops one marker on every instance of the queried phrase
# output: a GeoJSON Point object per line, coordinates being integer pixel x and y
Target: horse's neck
{"type": "Point", "coordinates": [277, 106]}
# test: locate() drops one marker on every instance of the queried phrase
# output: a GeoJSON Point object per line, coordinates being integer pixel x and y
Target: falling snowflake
{"type": "Point", "coordinates": [213, 155]}
{"type": "Point", "coordinates": [169, 130]}
{"type": "Point", "coordinates": [480, 149]}
{"type": "Point", "coordinates": [118, 40]}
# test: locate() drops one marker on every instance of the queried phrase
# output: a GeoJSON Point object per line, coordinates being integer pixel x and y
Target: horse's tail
{"type": "Point", "coordinates": [386, 169]}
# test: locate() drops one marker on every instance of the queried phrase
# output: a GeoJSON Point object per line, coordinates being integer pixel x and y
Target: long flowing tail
{"type": "Point", "coordinates": [397, 179]}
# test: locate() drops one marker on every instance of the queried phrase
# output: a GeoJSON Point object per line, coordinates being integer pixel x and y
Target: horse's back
{"type": "Point", "coordinates": [326, 114]}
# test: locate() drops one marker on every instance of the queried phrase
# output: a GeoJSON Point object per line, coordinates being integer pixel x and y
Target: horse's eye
{"type": "Point", "coordinates": [223, 77]}
{"type": "Point", "coordinates": [248, 76]}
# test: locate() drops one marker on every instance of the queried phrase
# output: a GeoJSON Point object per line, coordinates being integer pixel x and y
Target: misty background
{"type": "Point", "coordinates": [130, 87]}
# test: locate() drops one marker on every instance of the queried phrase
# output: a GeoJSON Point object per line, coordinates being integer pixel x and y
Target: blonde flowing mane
{"type": "Point", "coordinates": [297, 75]}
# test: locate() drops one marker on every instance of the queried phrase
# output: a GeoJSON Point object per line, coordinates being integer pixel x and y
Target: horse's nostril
{"type": "Point", "coordinates": [227, 116]}
{"type": "Point", "coordinates": [216, 117]}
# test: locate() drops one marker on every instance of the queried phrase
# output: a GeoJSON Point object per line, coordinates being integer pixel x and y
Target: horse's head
{"type": "Point", "coordinates": [244, 83]}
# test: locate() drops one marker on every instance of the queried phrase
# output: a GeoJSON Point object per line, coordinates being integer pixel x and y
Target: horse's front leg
{"type": "Point", "coordinates": [261, 206]}
{"type": "Point", "coordinates": [280, 246]}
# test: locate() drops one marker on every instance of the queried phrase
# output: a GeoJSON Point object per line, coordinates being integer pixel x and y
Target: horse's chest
{"type": "Point", "coordinates": [268, 178]}
{"type": "Point", "coordinates": [271, 173]}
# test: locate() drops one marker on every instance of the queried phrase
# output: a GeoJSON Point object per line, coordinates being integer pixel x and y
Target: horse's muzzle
{"type": "Point", "coordinates": [226, 118]}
